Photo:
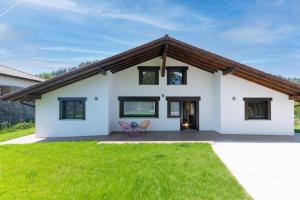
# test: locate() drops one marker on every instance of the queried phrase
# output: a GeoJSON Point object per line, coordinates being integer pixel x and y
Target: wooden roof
{"type": "Point", "coordinates": [165, 47]}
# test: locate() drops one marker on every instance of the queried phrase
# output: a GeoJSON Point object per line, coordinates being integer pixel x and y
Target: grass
{"type": "Point", "coordinates": [7, 135]}
{"type": "Point", "coordinates": [297, 128]}
{"type": "Point", "coordinates": [85, 170]}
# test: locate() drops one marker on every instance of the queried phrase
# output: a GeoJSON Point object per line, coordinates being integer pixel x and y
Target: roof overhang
{"type": "Point", "coordinates": [164, 47]}
{"type": "Point", "coordinates": [21, 78]}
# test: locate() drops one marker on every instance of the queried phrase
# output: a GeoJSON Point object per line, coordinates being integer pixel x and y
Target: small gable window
{"type": "Point", "coordinates": [148, 75]}
{"type": "Point", "coordinates": [72, 108]}
{"type": "Point", "coordinates": [177, 75]}
{"type": "Point", "coordinates": [257, 108]}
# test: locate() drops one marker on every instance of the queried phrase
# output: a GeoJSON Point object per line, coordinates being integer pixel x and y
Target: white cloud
{"type": "Point", "coordinates": [10, 8]}
{"type": "Point", "coordinates": [118, 41]}
{"type": "Point", "coordinates": [75, 50]}
{"type": "Point", "coordinates": [7, 33]}
{"type": "Point", "coordinates": [161, 15]}
{"type": "Point", "coordinates": [3, 28]}
{"type": "Point", "coordinates": [258, 34]}
{"type": "Point", "coordinates": [65, 5]}
{"type": "Point", "coordinates": [153, 21]}
{"type": "Point", "coordinates": [5, 53]}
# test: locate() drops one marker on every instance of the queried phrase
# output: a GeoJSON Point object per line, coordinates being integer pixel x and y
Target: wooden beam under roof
{"type": "Point", "coordinates": [164, 57]}
{"type": "Point", "coordinates": [295, 97]}
{"type": "Point", "coordinates": [33, 96]}
{"type": "Point", "coordinates": [229, 70]}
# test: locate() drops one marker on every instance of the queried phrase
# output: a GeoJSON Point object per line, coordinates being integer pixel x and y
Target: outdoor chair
{"type": "Point", "coordinates": [144, 125]}
{"type": "Point", "coordinates": [127, 128]}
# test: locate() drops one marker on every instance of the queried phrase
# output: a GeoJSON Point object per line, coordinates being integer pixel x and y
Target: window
{"type": "Point", "coordinates": [148, 75]}
{"type": "Point", "coordinates": [4, 90]}
{"type": "Point", "coordinates": [72, 108]}
{"type": "Point", "coordinates": [257, 108]}
{"type": "Point", "coordinates": [173, 109]}
{"type": "Point", "coordinates": [177, 75]}
{"type": "Point", "coordinates": [139, 106]}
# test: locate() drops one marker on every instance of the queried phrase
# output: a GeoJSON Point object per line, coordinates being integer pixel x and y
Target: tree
{"type": "Point", "coordinates": [60, 71]}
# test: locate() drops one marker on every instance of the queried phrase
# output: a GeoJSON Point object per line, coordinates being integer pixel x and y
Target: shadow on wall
{"type": "Point", "coordinates": [12, 112]}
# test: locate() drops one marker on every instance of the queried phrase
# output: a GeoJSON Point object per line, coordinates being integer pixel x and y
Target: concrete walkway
{"type": "Point", "coordinates": [28, 139]}
{"type": "Point", "coordinates": [265, 170]}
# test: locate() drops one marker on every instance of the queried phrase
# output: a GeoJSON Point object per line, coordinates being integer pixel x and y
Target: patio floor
{"type": "Point", "coordinates": [190, 136]}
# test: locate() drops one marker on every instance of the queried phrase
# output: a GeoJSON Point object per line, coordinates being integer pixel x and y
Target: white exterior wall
{"type": "Point", "coordinates": [15, 82]}
{"type": "Point", "coordinates": [233, 112]}
{"type": "Point", "coordinates": [217, 101]}
{"type": "Point", "coordinates": [96, 118]}
{"type": "Point", "coordinates": [199, 83]}
{"type": "Point", "coordinates": [217, 110]}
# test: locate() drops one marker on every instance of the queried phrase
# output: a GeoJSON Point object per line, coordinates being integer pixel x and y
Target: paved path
{"type": "Point", "coordinates": [154, 142]}
{"type": "Point", "coordinates": [265, 170]}
{"type": "Point", "coordinates": [28, 139]}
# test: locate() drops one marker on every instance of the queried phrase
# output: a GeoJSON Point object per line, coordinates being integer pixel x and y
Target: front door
{"type": "Point", "coordinates": [189, 119]}
{"type": "Point", "coordinates": [187, 109]}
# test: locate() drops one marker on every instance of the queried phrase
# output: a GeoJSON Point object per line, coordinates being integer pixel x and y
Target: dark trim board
{"type": "Point", "coordinates": [138, 98]}
{"type": "Point", "coordinates": [177, 68]}
{"type": "Point", "coordinates": [180, 98]}
{"type": "Point", "coordinates": [257, 99]}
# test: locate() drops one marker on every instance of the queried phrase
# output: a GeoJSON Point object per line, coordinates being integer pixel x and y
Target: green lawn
{"type": "Point", "coordinates": [297, 128]}
{"type": "Point", "coordinates": [14, 134]}
{"type": "Point", "coordinates": [86, 170]}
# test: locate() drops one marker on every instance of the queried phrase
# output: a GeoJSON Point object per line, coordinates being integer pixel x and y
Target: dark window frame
{"type": "Point", "coordinates": [154, 69]}
{"type": "Point", "coordinates": [182, 69]}
{"type": "Point", "coordinates": [5, 89]}
{"type": "Point", "coordinates": [61, 103]}
{"type": "Point", "coordinates": [258, 100]}
{"type": "Point", "coordinates": [180, 100]}
{"type": "Point", "coordinates": [169, 109]}
{"type": "Point", "coordinates": [156, 99]}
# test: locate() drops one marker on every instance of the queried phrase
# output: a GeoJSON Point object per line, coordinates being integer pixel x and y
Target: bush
{"type": "Point", "coordinates": [6, 127]}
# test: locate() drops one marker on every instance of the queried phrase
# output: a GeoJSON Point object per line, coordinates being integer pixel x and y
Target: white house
{"type": "Point", "coordinates": [173, 84]}
{"type": "Point", "coordinates": [12, 80]}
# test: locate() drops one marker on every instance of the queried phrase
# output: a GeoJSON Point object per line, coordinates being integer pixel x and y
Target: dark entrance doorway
{"type": "Point", "coordinates": [188, 111]}
{"type": "Point", "coordinates": [188, 115]}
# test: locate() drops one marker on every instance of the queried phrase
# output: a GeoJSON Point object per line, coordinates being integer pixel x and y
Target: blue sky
{"type": "Point", "coordinates": [39, 36]}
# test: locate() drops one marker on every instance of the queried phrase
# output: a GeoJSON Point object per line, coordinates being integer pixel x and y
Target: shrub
{"type": "Point", "coordinates": [6, 127]}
